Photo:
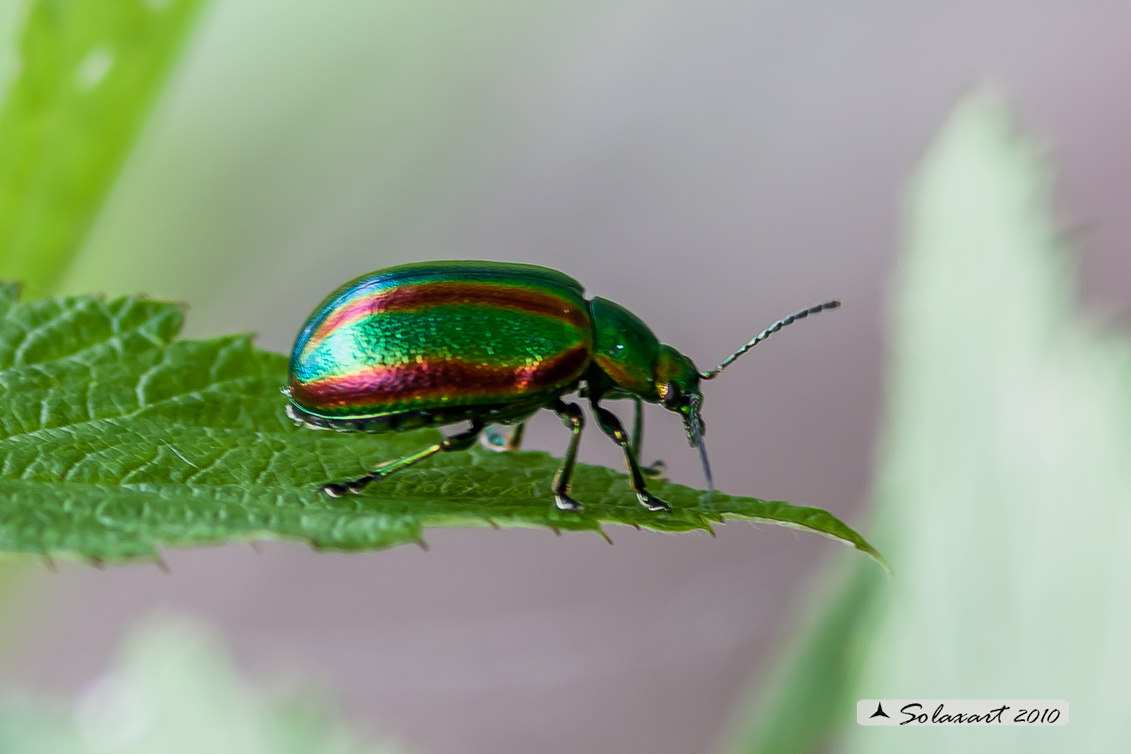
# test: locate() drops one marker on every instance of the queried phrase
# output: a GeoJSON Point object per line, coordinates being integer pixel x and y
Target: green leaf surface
{"type": "Point", "coordinates": [88, 73]}
{"type": "Point", "coordinates": [1004, 491]}
{"type": "Point", "coordinates": [115, 439]}
{"type": "Point", "coordinates": [175, 690]}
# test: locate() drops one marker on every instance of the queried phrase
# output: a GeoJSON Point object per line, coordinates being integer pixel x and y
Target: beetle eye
{"type": "Point", "coordinates": [672, 395]}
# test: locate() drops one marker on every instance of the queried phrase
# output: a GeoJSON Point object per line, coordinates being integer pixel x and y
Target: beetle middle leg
{"type": "Point", "coordinates": [572, 417]}
{"type": "Point", "coordinates": [462, 441]}
{"type": "Point", "coordinates": [611, 426]}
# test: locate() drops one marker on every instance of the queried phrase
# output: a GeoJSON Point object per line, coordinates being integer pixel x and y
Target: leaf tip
{"type": "Point", "coordinates": [875, 555]}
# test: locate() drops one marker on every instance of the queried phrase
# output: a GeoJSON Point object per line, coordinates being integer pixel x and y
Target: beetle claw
{"type": "Point", "coordinates": [341, 489]}
{"type": "Point", "coordinates": [651, 502]}
{"type": "Point", "coordinates": [333, 490]}
{"type": "Point", "coordinates": [566, 503]}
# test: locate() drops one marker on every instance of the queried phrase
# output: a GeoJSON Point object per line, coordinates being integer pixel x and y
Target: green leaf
{"type": "Point", "coordinates": [174, 689]}
{"type": "Point", "coordinates": [88, 74]}
{"type": "Point", "coordinates": [116, 440]}
{"type": "Point", "coordinates": [1004, 484]}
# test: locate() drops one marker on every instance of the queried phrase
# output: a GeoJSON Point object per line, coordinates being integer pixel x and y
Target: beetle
{"type": "Point", "coordinates": [438, 343]}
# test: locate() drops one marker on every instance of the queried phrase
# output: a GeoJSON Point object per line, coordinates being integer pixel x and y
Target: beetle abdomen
{"type": "Point", "coordinates": [435, 336]}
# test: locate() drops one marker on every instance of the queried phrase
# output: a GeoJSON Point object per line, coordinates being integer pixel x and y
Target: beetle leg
{"type": "Point", "coordinates": [494, 440]}
{"type": "Point", "coordinates": [462, 441]}
{"type": "Point", "coordinates": [637, 425]}
{"type": "Point", "coordinates": [611, 426]}
{"type": "Point", "coordinates": [514, 442]}
{"type": "Point", "coordinates": [572, 417]}
{"type": "Point", "coordinates": [656, 468]}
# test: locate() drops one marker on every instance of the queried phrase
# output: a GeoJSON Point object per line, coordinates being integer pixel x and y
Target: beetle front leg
{"type": "Point", "coordinates": [656, 468]}
{"type": "Point", "coordinates": [637, 425]}
{"type": "Point", "coordinates": [572, 417]}
{"type": "Point", "coordinates": [611, 426]}
{"type": "Point", "coordinates": [462, 441]}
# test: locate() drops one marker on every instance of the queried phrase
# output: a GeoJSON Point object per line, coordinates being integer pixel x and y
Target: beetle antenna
{"type": "Point", "coordinates": [767, 333]}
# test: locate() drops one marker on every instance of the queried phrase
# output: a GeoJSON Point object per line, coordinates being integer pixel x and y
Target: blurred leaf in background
{"type": "Point", "coordinates": [307, 137]}
{"type": "Point", "coordinates": [76, 82]}
{"type": "Point", "coordinates": [1004, 491]}
{"type": "Point", "coordinates": [174, 690]}
{"type": "Point", "coordinates": [87, 75]}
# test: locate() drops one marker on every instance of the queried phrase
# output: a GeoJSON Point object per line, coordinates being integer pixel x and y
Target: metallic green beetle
{"type": "Point", "coordinates": [436, 343]}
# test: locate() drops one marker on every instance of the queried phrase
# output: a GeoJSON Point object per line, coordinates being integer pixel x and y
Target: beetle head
{"type": "Point", "coordinates": [677, 383]}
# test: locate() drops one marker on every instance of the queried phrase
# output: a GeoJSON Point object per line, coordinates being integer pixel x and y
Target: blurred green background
{"type": "Point", "coordinates": [711, 165]}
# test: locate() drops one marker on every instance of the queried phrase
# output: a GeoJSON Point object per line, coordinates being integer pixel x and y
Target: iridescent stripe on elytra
{"type": "Point", "coordinates": [380, 388]}
{"type": "Point", "coordinates": [416, 297]}
{"type": "Point", "coordinates": [620, 374]}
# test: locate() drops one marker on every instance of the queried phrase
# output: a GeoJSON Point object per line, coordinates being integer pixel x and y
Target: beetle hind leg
{"type": "Point", "coordinates": [461, 441]}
